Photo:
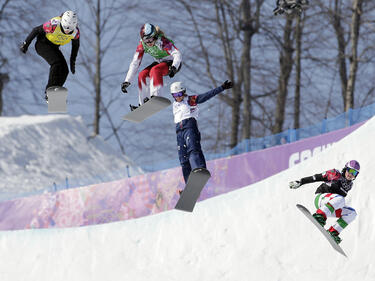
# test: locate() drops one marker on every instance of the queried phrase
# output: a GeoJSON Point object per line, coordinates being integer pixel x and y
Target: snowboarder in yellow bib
{"type": "Point", "coordinates": [50, 36]}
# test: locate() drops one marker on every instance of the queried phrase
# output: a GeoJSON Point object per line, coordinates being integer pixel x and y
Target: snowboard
{"type": "Point", "coordinates": [151, 107]}
{"type": "Point", "coordinates": [190, 195]}
{"type": "Point", "coordinates": [57, 99]}
{"type": "Point", "coordinates": [328, 236]}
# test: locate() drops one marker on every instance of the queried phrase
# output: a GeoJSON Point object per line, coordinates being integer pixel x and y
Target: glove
{"type": "Point", "coordinates": [172, 71]}
{"type": "Point", "coordinates": [24, 47]}
{"type": "Point", "coordinates": [294, 184]}
{"type": "Point", "coordinates": [124, 85]}
{"type": "Point", "coordinates": [227, 85]}
{"type": "Point", "coordinates": [72, 65]}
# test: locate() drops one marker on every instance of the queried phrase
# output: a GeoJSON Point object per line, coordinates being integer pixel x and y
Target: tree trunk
{"type": "Point", "coordinates": [224, 35]}
{"type": "Point", "coordinates": [340, 36]}
{"type": "Point", "coordinates": [4, 78]}
{"type": "Point", "coordinates": [97, 74]}
{"type": "Point", "coordinates": [286, 65]}
{"type": "Point", "coordinates": [246, 66]}
{"type": "Point", "coordinates": [249, 26]}
{"type": "Point", "coordinates": [354, 34]}
{"type": "Point", "coordinates": [297, 97]}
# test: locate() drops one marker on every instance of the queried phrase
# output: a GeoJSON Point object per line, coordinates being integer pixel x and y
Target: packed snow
{"type": "Point", "coordinates": [38, 151]}
{"type": "Point", "coordinates": [254, 233]}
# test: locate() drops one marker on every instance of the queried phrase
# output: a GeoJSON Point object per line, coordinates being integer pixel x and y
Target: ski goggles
{"type": "Point", "coordinates": [149, 40]}
{"type": "Point", "coordinates": [178, 94]}
{"type": "Point", "coordinates": [353, 172]}
{"type": "Point", "coordinates": [67, 29]}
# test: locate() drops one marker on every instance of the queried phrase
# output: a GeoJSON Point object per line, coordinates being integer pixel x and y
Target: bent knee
{"type": "Point", "coordinates": [349, 214]}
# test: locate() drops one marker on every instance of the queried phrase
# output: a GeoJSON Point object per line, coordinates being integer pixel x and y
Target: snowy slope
{"type": "Point", "coordinates": [37, 151]}
{"type": "Point", "coordinates": [255, 233]}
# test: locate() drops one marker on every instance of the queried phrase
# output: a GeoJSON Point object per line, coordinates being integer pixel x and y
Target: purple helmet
{"type": "Point", "coordinates": [352, 165]}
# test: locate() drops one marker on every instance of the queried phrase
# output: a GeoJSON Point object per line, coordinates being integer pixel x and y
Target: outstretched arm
{"type": "Point", "coordinates": [314, 178]}
{"type": "Point", "coordinates": [36, 30]}
{"type": "Point", "coordinates": [210, 94]}
{"type": "Point", "coordinates": [25, 44]}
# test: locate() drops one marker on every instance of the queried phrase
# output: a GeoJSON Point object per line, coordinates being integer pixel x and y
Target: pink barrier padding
{"type": "Point", "coordinates": [154, 192]}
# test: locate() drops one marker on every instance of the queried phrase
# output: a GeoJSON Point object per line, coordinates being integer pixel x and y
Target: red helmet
{"type": "Point", "coordinates": [148, 30]}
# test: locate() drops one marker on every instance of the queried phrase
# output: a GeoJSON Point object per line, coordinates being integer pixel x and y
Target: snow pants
{"type": "Point", "coordinates": [150, 80]}
{"type": "Point", "coordinates": [51, 53]}
{"type": "Point", "coordinates": [333, 205]}
{"type": "Point", "coordinates": [189, 149]}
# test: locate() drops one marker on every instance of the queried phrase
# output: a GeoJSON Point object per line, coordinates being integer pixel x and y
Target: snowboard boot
{"type": "Point", "coordinates": [146, 99]}
{"type": "Point", "coordinates": [198, 170]}
{"type": "Point", "coordinates": [320, 219]}
{"type": "Point", "coordinates": [133, 107]}
{"type": "Point", "coordinates": [334, 234]}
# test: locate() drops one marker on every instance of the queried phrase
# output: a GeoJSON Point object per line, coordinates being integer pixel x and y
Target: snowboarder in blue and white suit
{"type": "Point", "coordinates": [185, 111]}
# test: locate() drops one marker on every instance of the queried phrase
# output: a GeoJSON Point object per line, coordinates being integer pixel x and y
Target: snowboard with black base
{"type": "Point", "coordinates": [146, 110]}
{"type": "Point", "coordinates": [326, 234]}
{"type": "Point", "coordinates": [190, 195]}
{"type": "Point", "coordinates": [56, 98]}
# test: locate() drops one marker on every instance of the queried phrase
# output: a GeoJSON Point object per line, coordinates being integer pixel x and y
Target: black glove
{"type": "Point", "coordinates": [172, 71]}
{"type": "Point", "coordinates": [24, 47]}
{"type": "Point", "coordinates": [227, 85]}
{"type": "Point", "coordinates": [72, 65]}
{"type": "Point", "coordinates": [124, 85]}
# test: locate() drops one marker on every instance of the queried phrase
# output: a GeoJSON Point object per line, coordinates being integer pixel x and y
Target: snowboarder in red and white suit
{"type": "Point", "coordinates": [330, 196]}
{"type": "Point", "coordinates": [167, 62]}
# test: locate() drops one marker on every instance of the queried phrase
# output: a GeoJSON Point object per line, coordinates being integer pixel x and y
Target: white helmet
{"type": "Point", "coordinates": [177, 87]}
{"type": "Point", "coordinates": [69, 21]}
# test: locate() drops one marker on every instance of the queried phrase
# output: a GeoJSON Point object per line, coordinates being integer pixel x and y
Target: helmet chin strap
{"type": "Point", "coordinates": [63, 30]}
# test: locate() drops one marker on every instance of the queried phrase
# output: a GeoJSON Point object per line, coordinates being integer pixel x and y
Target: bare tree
{"type": "Point", "coordinates": [354, 37]}
{"type": "Point", "coordinates": [339, 14]}
{"type": "Point", "coordinates": [103, 25]}
{"type": "Point", "coordinates": [12, 63]}
{"type": "Point", "coordinates": [4, 78]}
{"type": "Point", "coordinates": [286, 66]}
{"type": "Point", "coordinates": [297, 92]}
{"type": "Point", "coordinates": [249, 25]}
{"type": "Point", "coordinates": [336, 20]}
{"type": "Point", "coordinates": [229, 26]}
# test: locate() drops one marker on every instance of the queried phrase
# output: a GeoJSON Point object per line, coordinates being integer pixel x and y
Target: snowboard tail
{"type": "Point", "coordinates": [57, 99]}
{"type": "Point", "coordinates": [146, 110]}
{"type": "Point", "coordinates": [190, 195]}
{"type": "Point", "coordinates": [328, 236]}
